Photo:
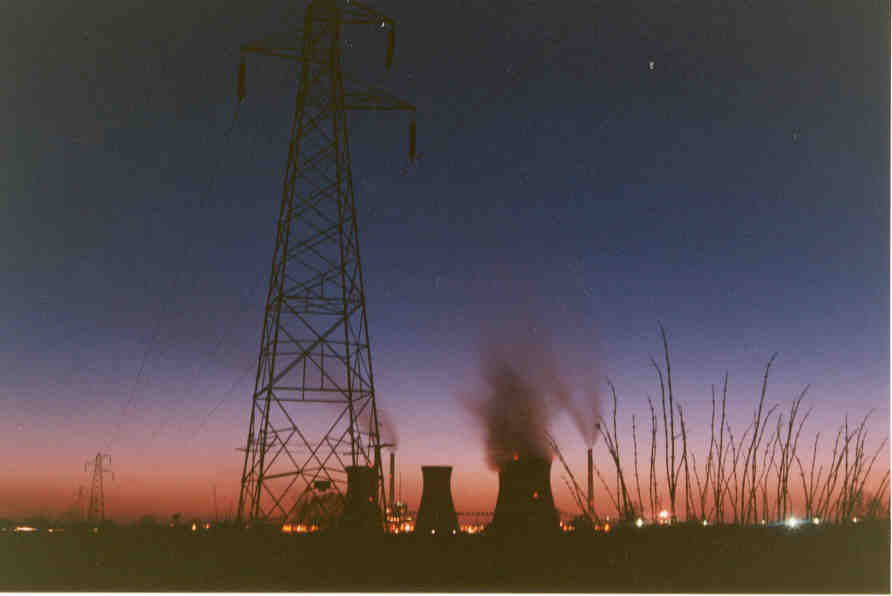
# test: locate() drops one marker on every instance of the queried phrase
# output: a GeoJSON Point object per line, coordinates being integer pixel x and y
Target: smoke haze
{"type": "Point", "coordinates": [521, 387]}
{"type": "Point", "coordinates": [516, 397]}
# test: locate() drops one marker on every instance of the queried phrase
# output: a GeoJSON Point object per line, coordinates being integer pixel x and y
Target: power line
{"type": "Point", "coordinates": [188, 245]}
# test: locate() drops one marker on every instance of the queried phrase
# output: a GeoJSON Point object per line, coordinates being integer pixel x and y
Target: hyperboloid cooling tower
{"type": "Point", "coordinates": [436, 514]}
{"type": "Point", "coordinates": [361, 501]}
{"type": "Point", "coordinates": [525, 505]}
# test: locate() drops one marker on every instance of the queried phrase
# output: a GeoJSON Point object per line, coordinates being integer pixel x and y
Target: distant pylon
{"type": "Point", "coordinates": [313, 411]}
{"type": "Point", "coordinates": [96, 507]}
{"type": "Point", "coordinates": [81, 503]}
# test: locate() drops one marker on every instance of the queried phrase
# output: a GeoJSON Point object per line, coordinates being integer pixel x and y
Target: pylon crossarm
{"type": "Point", "coordinates": [283, 474]}
{"type": "Point", "coordinates": [290, 54]}
{"type": "Point", "coordinates": [365, 14]}
{"type": "Point", "coordinates": [375, 100]}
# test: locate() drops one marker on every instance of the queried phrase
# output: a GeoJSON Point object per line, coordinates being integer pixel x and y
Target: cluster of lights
{"type": "Point", "coordinates": [792, 522]}
{"type": "Point", "coordinates": [299, 528]}
{"type": "Point", "coordinates": [197, 526]}
{"type": "Point", "coordinates": [398, 519]}
{"type": "Point", "coordinates": [472, 529]}
{"type": "Point", "coordinates": [406, 527]}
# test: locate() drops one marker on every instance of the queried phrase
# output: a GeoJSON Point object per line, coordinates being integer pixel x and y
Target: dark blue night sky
{"type": "Point", "coordinates": [720, 167]}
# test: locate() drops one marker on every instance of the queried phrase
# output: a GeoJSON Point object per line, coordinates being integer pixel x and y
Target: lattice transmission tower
{"type": "Point", "coordinates": [313, 410]}
{"type": "Point", "coordinates": [96, 505]}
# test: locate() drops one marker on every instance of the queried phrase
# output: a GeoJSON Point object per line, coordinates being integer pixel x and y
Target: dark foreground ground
{"type": "Point", "coordinates": [677, 559]}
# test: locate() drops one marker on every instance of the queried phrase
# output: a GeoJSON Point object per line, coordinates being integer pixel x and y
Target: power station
{"type": "Point", "coordinates": [313, 453]}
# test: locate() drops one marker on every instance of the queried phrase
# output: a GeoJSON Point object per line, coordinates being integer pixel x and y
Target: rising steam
{"type": "Point", "coordinates": [387, 429]}
{"type": "Point", "coordinates": [515, 399]}
{"type": "Point", "coordinates": [521, 389]}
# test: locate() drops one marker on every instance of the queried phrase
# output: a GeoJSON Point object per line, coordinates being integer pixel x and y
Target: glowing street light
{"type": "Point", "coordinates": [792, 522]}
{"type": "Point", "coordinates": [639, 522]}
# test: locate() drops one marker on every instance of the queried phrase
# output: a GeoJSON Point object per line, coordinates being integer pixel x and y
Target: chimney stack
{"type": "Point", "coordinates": [392, 467]}
{"type": "Point", "coordinates": [591, 486]}
{"type": "Point", "coordinates": [436, 514]}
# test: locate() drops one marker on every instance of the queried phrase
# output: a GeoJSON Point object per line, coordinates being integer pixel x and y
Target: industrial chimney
{"type": "Point", "coordinates": [436, 514]}
{"type": "Point", "coordinates": [361, 501]}
{"type": "Point", "coordinates": [525, 504]}
{"type": "Point", "coordinates": [392, 467]}
{"type": "Point", "coordinates": [590, 495]}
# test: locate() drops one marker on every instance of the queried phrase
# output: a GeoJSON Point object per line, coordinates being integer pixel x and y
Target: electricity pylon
{"type": "Point", "coordinates": [96, 507]}
{"type": "Point", "coordinates": [313, 409]}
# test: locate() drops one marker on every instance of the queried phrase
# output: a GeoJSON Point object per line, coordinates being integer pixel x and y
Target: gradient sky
{"type": "Point", "coordinates": [737, 190]}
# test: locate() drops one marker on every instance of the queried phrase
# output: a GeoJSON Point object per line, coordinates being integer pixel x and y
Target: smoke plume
{"type": "Point", "coordinates": [521, 388]}
{"type": "Point", "coordinates": [585, 415]}
{"type": "Point", "coordinates": [515, 400]}
{"type": "Point", "coordinates": [387, 429]}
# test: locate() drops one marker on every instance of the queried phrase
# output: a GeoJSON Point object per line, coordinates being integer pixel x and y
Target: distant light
{"type": "Point", "coordinates": [705, 523]}
{"type": "Point", "coordinates": [194, 527]}
{"type": "Point", "coordinates": [639, 522]}
{"type": "Point", "coordinates": [854, 520]}
{"type": "Point", "coordinates": [792, 522]}
{"type": "Point", "coordinates": [816, 520]}
{"type": "Point", "coordinates": [50, 530]}
{"type": "Point", "coordinates": [762, 522]}
{"type": "Point", "coordinates": [433, 532]}
{"type": "Point", "coordinates": [607, 527]}
{"type": "Point", "coordinates": [651, 64]}
{"type": "Point", "coordinates": [453, 532]}
{"type": "Point", "coordinates": [664, 514]}
{"type": "Point", "coordinates": [24, 529]}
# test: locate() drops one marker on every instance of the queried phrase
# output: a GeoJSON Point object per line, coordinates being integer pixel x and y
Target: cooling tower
{"type": "Point", "coordinates": [361, 501]}
{"type": "Point", "coordinates": [436, 514]}
{"type": "Point", "coordinates": [525, 505]}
